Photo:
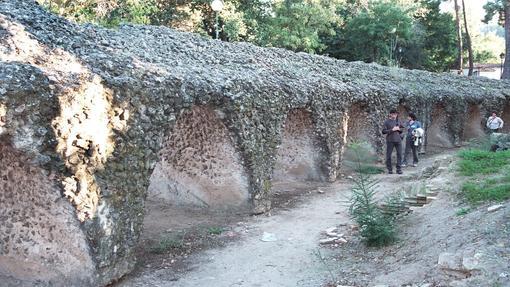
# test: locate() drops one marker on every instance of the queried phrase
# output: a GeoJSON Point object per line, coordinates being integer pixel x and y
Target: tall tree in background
{"type": "Point", "coordinates": [388, 32]}
{"type": "Point", "coordinates": [434, 44]}
{"type": "Point", "coordinates": [460, 59]}
{"type": "Point", "coordinates": [468, 40]}
{"type": "Point", "coordinates": [298, 25]}
{"type": "Point", "coordinates": [502, 8]}
{"type": "Point", "coordinates": [377, 33]}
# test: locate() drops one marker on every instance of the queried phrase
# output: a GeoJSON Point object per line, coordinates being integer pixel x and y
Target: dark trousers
{"type": "Point", "coordinates": [410, 147]}
{"type": "Point", "coordinates": [389, 150]}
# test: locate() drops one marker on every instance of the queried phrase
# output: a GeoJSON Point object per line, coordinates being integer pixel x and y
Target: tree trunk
{"type": "Point", "coordinates": [506, 66]}
{"type": "Point", "coordinates": [459, 36]}
{"type": "Point", "coordinates": [468, 41]}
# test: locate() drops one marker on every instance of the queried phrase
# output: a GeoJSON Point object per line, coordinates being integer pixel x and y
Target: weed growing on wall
{"type": "Point", "coordinates": [376, 228]}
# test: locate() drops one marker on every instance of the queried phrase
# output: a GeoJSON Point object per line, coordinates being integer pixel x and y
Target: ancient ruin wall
{"type": "Point", "coordinates": [92, 108]}
{"type": "Point", "coordinates": [438, 135]}
{"type": "Point", "coordinates": [474, 124]}
{"type": "Point", "coordinates": [298, 157]}
{"type": "Point", "coordinates": [199, 164]}
{"type": "Point", "coordinates": [40, 237]}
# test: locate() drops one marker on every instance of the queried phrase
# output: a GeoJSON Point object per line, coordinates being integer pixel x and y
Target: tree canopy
{"type": "Point", "coordinates": [414, 34]}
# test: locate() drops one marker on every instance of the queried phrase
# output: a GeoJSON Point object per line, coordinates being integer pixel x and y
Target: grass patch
{"type": "Point", "coordinates": [370, 169]}
{"type": "Point", "coordinates": [474, 161]}
{"type": "Point", "coordinates": [476, 193]}
{"type": "Point", "coordinates": [490, 175]}
{"type": "Point", "coordinates": [463, 211]}
{"type": "Point", "coordinates": [167, 243]}
{"type": "Point", "coordinates": [215, 230]}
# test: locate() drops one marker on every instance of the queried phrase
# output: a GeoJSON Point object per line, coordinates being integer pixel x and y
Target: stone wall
{"type": "Point", "coordinates": [298, 156]}
{"type": "Point", "coordinates": [199, 164]}
{"type": "Point", "coordinates": [92, 121]}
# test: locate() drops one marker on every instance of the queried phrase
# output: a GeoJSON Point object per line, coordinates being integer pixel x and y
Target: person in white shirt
{"type": "Point", "coordinates": [494, 123]}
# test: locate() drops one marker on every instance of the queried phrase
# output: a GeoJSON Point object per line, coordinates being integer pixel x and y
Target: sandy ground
{"type": "Point", "coordinates": [238, 256]}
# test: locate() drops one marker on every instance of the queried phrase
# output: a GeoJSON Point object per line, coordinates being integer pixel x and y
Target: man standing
{"type": "Point", "coordinates": [392, 128]}
{"type": "Point", "coordinates": [494, 123]}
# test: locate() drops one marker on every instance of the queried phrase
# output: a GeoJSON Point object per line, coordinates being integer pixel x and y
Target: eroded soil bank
{"type": "Point", "coordinates": [227, 248]}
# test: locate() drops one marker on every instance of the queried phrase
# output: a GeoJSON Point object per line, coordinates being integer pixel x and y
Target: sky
{"type": "Point", "coordinates": [474, 8]}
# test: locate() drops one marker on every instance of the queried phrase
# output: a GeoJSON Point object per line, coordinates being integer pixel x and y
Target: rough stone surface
{"type": "Point", "coordinates": [299, 153]}
{"type": "Point", "coordinates": [95, 109]}
{"type": "Point", "coordinates": [199, 164]}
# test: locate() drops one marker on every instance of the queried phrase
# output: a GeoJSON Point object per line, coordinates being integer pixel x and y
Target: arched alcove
{"type": "Point", "coordinates": [473, 125]}
{"type": "Point", "coordinates": [298, 157]}
{"type": "Point", "coordinates": [199, 164]}
{"type": "Point", "coordinates": [359, 126]}
{"type": "Point", "coordinates": [402, 112]}
{"type": "Point", "coordinates": [505, 116]}
{"type": "Point", "coordinates": [437, 133]}
{"type": "Point", "coordinates": [40, 236]}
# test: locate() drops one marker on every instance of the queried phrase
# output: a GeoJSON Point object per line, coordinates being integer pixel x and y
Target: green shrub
{"type": "Point", "coordinates": [376, 228]}
{"type": "Point", "coordinates": [463, 211]}
{"type": "Point", "coordinates": [371, 169]}
{"type": "Point", "coordinates": [215, 230]}
{"type": "Point", "coordinates": [165, 244]}
{"type": "Point", "coordinates": [362, 153]}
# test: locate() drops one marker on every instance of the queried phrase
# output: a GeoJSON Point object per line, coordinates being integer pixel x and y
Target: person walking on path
{"type": "Point", "coordinates": [494, 123]}
{"type": "Point", "coordinates": [412, 125]}
{"type": "Point", "coordinates": [393, 129]}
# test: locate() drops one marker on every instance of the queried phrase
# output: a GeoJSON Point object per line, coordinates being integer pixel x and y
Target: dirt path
{"type": "Point", "coordinates": [294, 258]}
{"type": "Point", "coordinates": [291, 260]}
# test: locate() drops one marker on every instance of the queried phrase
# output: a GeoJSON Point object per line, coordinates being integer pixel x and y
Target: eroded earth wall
{"type": "Point", "coordinates": [92, 121]}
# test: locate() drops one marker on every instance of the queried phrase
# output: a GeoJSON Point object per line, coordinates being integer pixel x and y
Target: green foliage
{"type": "Point", "coordinates": [463, 211]}
{"type": "Point", "coordinates": [490, 175]}
{"type": "Point", "coordinates": [376, 228]}
{"type": "Point", "coordinates": [297, 25]}
{"type": "Point", "coordinates": [167, 243]}
{"type": "Point", "coordinates": [495, 7]}
{"type": "Point", "coordinates": [487, 190]}
{"type": "Point", "coordinates": [371, 169]}
{"type": "Point", "coordinates": [409, 33]}
{"type": "Point", "coordinates": [360, 157]}
{"type": "Point", "coordinates": [215, 230]}
{"type": "Point", "coordinates": [438, 45]}
{"type": "Point", "coordinates": [375, 34]}
{"type": "Point", "coordinates": [476, 161]}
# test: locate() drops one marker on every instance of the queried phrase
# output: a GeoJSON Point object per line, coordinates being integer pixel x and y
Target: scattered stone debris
{"type": "Point", "coordinates": [460, 266]}
{"type": "Point", "coordinates": [268, 237]}
{"type": "Point", "coordinates": [495, 207]}
{"type": "Point", "coordinates": [333, 237]}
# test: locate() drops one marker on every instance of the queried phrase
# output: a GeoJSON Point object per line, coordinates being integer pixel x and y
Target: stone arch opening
{"type": "Point", "coordinates": [299, 156]}
{"type": "Point", "coordinates": [41, 238]}
{"type": "Point", "coordinates": [359, 126]}
{"type": "Point", "coordinates": [473, 125]}
{"type": "Point", "coordinates": [505, 116]}
{"type": "Point", "coordinates": [403, 112]}
{"type": "Point", "coordinates": [437, 134]}
{"type": "Point", "coordinates": [199, 164]}
{"type": "Point", "coordinates": [362, 128]}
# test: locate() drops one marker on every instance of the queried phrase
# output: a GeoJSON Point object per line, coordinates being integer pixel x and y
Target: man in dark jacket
{"type": "Point", "coordinates": [393, 129]}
